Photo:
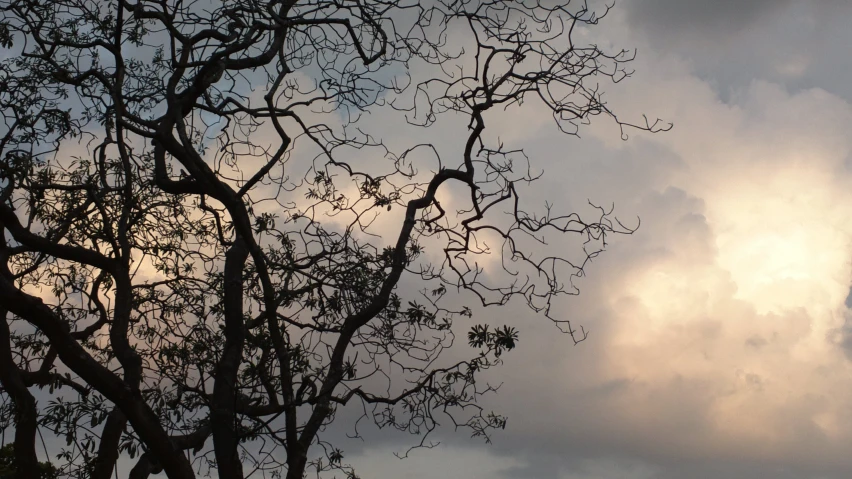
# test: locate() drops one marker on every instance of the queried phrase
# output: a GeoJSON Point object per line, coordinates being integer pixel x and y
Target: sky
{"type": "Point", "coordinates": [721, 331]}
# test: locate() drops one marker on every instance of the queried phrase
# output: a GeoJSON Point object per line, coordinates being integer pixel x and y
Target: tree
{"type": "Point", "coordinates": [7, 469]}
{"type": "Point", "coordinates": [191, 259]}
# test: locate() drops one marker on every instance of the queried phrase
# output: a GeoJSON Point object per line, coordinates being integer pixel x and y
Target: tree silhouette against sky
{"type": "Point", "coordinates": [216, 238]}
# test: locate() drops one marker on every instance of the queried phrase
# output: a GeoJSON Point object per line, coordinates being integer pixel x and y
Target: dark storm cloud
{"type": "Point", "coordinates": [843, 335]}
{"type": "Point", "coordinates": [569, 467]}
{"type": "Point", "coordinates": [718, 17]}
{"type": "Point", "coordinates": [800, 44]}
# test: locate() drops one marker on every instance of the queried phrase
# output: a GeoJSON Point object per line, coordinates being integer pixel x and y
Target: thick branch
{"type": "Point", "coordinates": [26, 418]}
{"type": "Point", "coordinates": [222, 414]}
{"type": "Point", "coordinates": [144, 421]}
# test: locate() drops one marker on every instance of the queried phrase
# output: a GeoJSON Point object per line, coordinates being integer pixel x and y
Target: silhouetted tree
{"type": "Point", "coordinates": [188, 196]}
{"type": "Point", "coordinates": [8, 467]}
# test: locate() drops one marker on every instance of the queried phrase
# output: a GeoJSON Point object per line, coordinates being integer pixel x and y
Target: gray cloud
{"type": "Point", "coordinates": [720, 17]}
{"type": "Point", "coordinates": [711, 351]}
{"type": "Point", "coordinates": [800, 44]}
{"type": "Point", "coordinates": [714, 349]}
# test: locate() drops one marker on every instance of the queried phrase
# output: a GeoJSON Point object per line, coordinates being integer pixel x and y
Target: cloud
{"type": "Point", "coordinates": [719, 17]}
{"type": "Point", "coordinates": [719, 331]}
{"type": "Point", "coordinates": [796, 43]}
{"type": "Point", "coordinates": [713, 328]}
{"type": "Point", "coordinates": [460, 463]}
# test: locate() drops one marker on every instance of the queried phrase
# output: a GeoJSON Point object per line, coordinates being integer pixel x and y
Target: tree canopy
{"type": "Point", "coordinates": [216, 236]}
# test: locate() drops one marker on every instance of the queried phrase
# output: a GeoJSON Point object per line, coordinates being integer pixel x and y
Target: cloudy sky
{"type": "Point", "coordinates": [719, 343]}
